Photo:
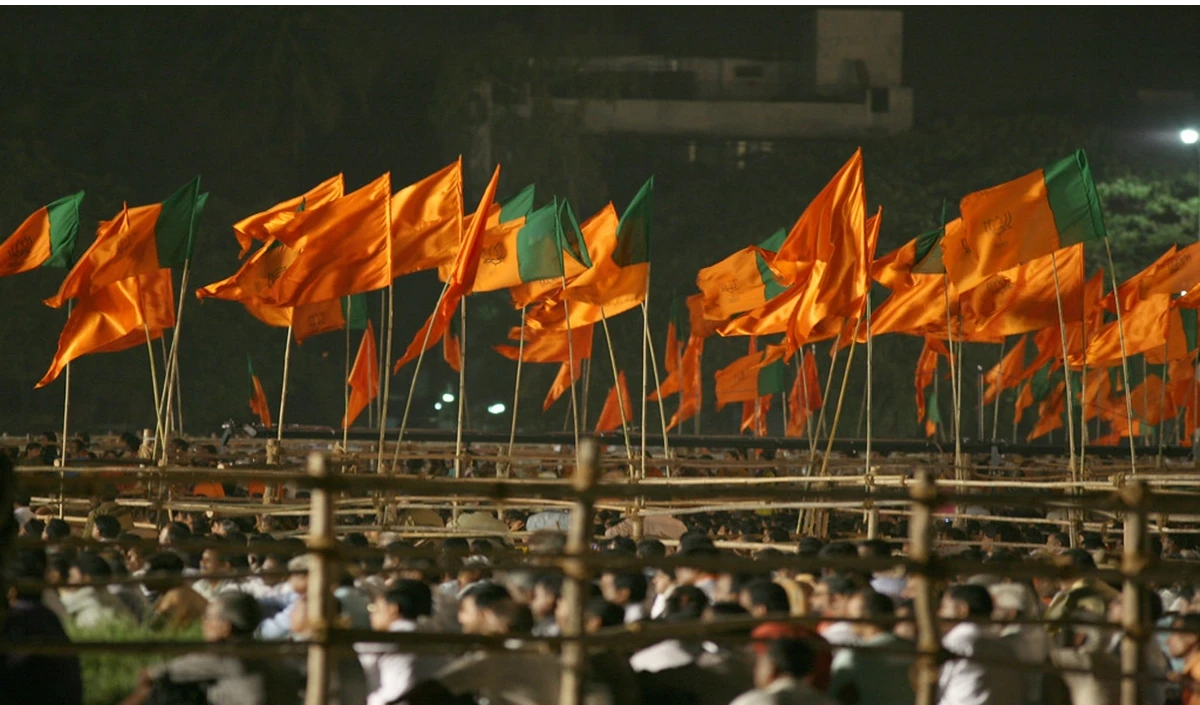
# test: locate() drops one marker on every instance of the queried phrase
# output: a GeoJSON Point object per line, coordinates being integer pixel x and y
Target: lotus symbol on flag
{"type": "Point", "coordinates": [730, 287]}
{"type": "Point", "coordinates": [999, 225]}
{"type": "Point", "coordinates": [123, 245]}
{"type": "Point", "coordinates": [274, 274]}
{"type": "Point", "coordinates": [21, 248]}
{"type": "Point", "coordinates": [316, 320]}
{"type": "Point", "coordinates": [494, 254]}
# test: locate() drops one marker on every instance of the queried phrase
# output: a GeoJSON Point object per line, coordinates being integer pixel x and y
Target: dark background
{"type": "Point", "coordinates": [131, 103]}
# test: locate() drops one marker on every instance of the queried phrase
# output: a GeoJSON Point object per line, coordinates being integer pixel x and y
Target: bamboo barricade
{"type": "Point", "coordinates": [321, 543]}
{"type": "Point", "coordinates": [575, 587]}
{"type": "Point", "coordinates": [924, 610]}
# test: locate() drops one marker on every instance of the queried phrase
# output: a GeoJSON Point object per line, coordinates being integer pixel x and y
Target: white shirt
{"type": "Point", "coordinates": [634, 612]}
{"type": "Point", "coordinates": [783, 691]}
{"type": "Point", "coordinates": [391, 673]}
{"type": "Point", "coordinates": [556, 520]}
{"type": "Point", "coordinates": [659, 608]}
{"type": "Point", "coordinates": [966, 682]}
{"type": "Point", "coordinates": [662, 656]}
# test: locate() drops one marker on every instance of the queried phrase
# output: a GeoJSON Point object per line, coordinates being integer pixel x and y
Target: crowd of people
{"type": "Point", "coordinates": [242, 584]}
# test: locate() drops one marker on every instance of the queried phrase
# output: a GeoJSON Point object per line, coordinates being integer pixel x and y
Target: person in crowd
{"type": "Point", "coordinates": [547, 591]}
{"type": "Point", "coordinates": [1013, 603]}
{"type": "Point", "coordinates": [963, 681]}
{"type": "Point", "coordinates": [173, 601]}
{"type": "Point", "coordinates": [215, 565]}
{"type": "Point", "coordinates": [30, 677]}
{"type": "Point", "coordinates": [831, 598]}
{"type": "Point", "coordinates": [91, 605]}
{"type": "Point", "coordinates": [781, 667]}
{"type": "Point", "coordinates": [1184, 644]}
{"type": "Point", "coordinates": [56, 530]}
{"type": "Point", "coordinates": [390, 672]}
{"type": "Point", "coordinates": [628, 591]}
{"type": "Point", "coordinates": [487, 609]}
{"type": "Point", "coordinates": [878, 673]}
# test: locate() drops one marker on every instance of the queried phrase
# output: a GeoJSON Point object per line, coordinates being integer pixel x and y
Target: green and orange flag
{"type": "Point", "coordinates": [138, 241]}
{"type": "Point", "coordinates": [258, 398]}
{"type": "Point", "coordinates": [528, 248]}
{"type": "Point", "coordinates": [262, 226]}
{"type": "Point", "coordinates": [46, 238]}
{"type": "Point", "coordinates": [752, 376]}
{"type": "Point", "coordinates": [742, 281]}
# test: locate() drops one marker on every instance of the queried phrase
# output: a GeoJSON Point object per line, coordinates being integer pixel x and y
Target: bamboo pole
{"type": "Point", "coordinates": [570, 365]}
{"type": "Point", "coordinates": [645, 372]}
{"type": "Point", "coordinates": [1112, 273]}
{"type": "Point", "coordinates": [387, 377]}
{"type": "Point", "coordinates": [587, 383]}
{"type": "Point", "coordinates": [662, 412]}
{"type": "Point", "coordinates": [575, 570]}
{"type": "Point", "coordinates": [820, 425]}
{"type": "Point", "coordinates": [808, 425]}
{"type": "Point", "coordinates": [923, 494]}
{"type": "Point", "coordinates": [1134, 558]}
{"type": "Point", "coordinates": [819, 520]}
{"type": "Point", "coordinates": [412, 386]}
{"type": "Point", "coordinates": [512, 434]}
{"type": "Point", "coordinates": [616, 382]}
{"type": "Point", "coordinates": [955, 387]}
{"type": "Point", "coordinates": [999, 389]}
{"type": "Point", "coordinates": [320, 582]}
{"type": "Point", "coordinates": [62, 441]}
{"type": "Point", "coordinates": [171, 372]}
{"type": "Point", "coordinates": [158, 421]}
{"type": "Point", "coordinates": [346, 381]}
{"type": "Point", "coordinates": [287, 359]}
{"type": "Point", "coordinates": [869, 471]}
{"type": "Point", "coordinates": [462, 386]}
{"type": "Point", "coordinates": [1068, 393]}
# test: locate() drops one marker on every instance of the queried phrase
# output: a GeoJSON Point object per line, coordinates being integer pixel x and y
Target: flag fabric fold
{"type": "Point", "coordinates": [427, 221]}
{"type": "Point", "coordinates": [258, 398]}
{"type": "Point", "coordinates": [46, 238]}
{"type": "Point", "coordinates": [262, 226]}
{"type": "Point", "coordinates": [364, 377]}
{"type": "Point", "coordinates": [610, 415]}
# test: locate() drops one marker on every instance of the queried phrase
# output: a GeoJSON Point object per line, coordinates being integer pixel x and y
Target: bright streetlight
{"type": "Point", "coordinates": [1189, 136]}
{"type": "Point", "coordinates": [448, 398]}
{"type": "Point", "coordinates": [496, 409]}
{"type": "Point", "coordinates": [437, 406]}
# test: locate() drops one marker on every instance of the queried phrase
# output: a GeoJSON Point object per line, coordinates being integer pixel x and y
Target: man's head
{"type": "Point", "coordinates": [687, 575]}
{"type": "Point", "coordinates": [763, 598]}
{"type": "Point", "coordinates": [174, 534]}
{"type": "Point", "coordinates": [874, 548]}
{"type": "Point", "coordinates": [651, 548]}
{"type": "Point", "coordinates": [832, 595]}
{"type": "Point", "coordinates": [105, 528]}
{"type": "Point", "coordinates": [783, 658]}
{"type": "Point", "coordinates": [1056, 540]}
{"type": "Point", "coordinates": [486, 609]}
{"type": "Point", "coordinates": [56, 530]}
{"type": "Point", "coordinates": [1182, 644]}
{"type": "Point", "coordinates": [87, 568]}
{"type": "Point", "coordinates": [25, 565]}
{"type": "Point", "coordinates": [623, 588]}
{"type": "Point", "coordinates": [214, 561]}
{"type": "Point", "coordinates": [406, 599]}
{"type": "Point", "coordinates": [966, 601]}
{"type": "Point", "coordinates": [686, 603]}
{"type": "Point", "coordinates": [547, 589]}
{"type": "Point", "coordinates": [867, 604]}
{"type": "Point", "coordinates": [231, 615]}
{"type": "Point", "coordinates": [600, 613]}
{"type": "Point", "coordinates": [298, 566]}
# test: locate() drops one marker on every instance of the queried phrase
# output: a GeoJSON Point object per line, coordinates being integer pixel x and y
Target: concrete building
{"type": "Point", "coordinates": [846, 81]}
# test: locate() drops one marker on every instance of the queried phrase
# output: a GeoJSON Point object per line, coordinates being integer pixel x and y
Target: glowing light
{"type": "Point", "coordinates": [448, 398]}
{"type": "Point", "coordinates": [437, 406]}
{"type": "Point", "coordinates": [496, 408]}
{"type": "Point", "coordinates": [1189, 136]}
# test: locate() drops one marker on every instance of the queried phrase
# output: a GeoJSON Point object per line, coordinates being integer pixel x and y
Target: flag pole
{"type": "Point", "coordinates": [178, 396]}
{"type": "Point", "coordinates": [1112, 273]}
{"type": "Point", "coordinates": [570, 362]}
{"type": "Point", "coordinates": [1068, 393]}
{"type": "Point", "coordinates": [873, 512]}
{"type": "Point", "coordinates": [645, 380]}
{"type": "Point", "coordinates": [1145, 398]}
{"type": "Point", "coordinates": [819, 518]}
{"type": "Point", "coordinates": [62, 455]}
{"type": "Point", "coordinates": [1162, 402]}
{"type": "Point", "coordinates": [662, 412]}
{"type": "Point", "coordinates": [287, 358]}
{"type": "Point", "coordinates": [462, 385]}
{"type": "Point", "coordinates": [169, 376]}
{"type": "Point", "coordinates": [999, 389]}
{"type": "Point", "coordinates": [512, 434]}
{"type": "Point", "coordinates": [954, 386]}
{"type": "Point", "coordinates": [412, 386]}
{"type": "Point", "coordinates": [617, 383]}
{"type": "Point", "coordinates": [812, 451]}
{"type": "Point", "coordinates": [346, 381]}
{"type": "Point", "coordinates": [808, 425]}
{"type": "Point", "coordinates": [587, 383]}
{"type": "Point", "coordinates": [166, 360]}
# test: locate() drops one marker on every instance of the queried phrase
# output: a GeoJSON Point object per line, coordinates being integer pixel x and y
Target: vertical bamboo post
{"type": "Point", "coordinates": [171, 370]}
{"type": "Point", "coordinates": [287, 359]}
{"type": "Point", "coordinates": [320, 579]}
{"type": "Point", "coordinates": [662, 412]}
{"type": "Point", "coordinates": [575, 570]}
{"type": "Point", "coordinates": [612, 358]}
{"type": "Point", "coordinates": [819, 518]}
{"type": "Point", "coordinates": [955, 362]}
{"type": "Point", "coordinates": [999, 387]}
{"type": "Point", "coordinates": [512, 433]}
{"type": "Point", "coordinates": [158, 420]}
{"type": "Point", "coordinates": [412, 386]}
{"type": "Point", "coordinates": [570, 365]}
{"type": "Point", "coordinates": [386, 387]}
{"type": "Point", "coordinates": [346, 382]}
{"type": "Point", "coordinates": [62, 441]}
{"type": "Point", "coordinates": [808, 425]}
{"type": "Point", "coordinates": [462, 387]}
{"type": "Point", "coordinates": [1112, 273]}
{"type": "Point", "coordinates": [1136, 498]}
{"type": "Point", "coordinates": [1162, 403]}
{"type": "Point", "coordinates": [869, 471]}
{"type": "Point", "coordinates": [924, 496]}
{"type": "Point", "coordinates": [645, 371]}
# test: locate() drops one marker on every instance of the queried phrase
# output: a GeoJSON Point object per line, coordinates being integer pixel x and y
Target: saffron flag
{"type": "Point", "coordinates": [342, 248]}
{"type": "Point", "coordinates": [460, 281]}
{"type": "Point", "coordinates": [894, 270]}
{"type": "Point", "coordinates": [1027, 297]}
{"type": "Point", "coordinates": [364, 377]}
{"type": "Point", "coordinates": [754, 415]}
{"type": "Point", "coordinates": [592, 242]}
{"type": "Point", "coordinates": [262, 226]}
{"type": "Point", "coordinates": [258, 398]}
{"type": "Point", "coordinates": [673, 354]}
{"type": "Point", "coordinates": [933, 416]}
{"type": "Point", "coordinates": [46, 238]}
{"type": "Point", "coordinates": [1006, 373]}
{"type": "Point", "coordinates": [567, 375]}
{"type": "Point", "coordinates": [838, 286]}
{"type": "Point", "coordinates": [1179, 273]}
{"type": "Point", "coordinates": [751, 376]}
{"type": "Point", "coordinates": [836, 213]}
{"type": "Point", "coordinates": [618, 282]}
{"type": "Point", "coordinates": [452, 352]}
{"type": "Point", "coordinates": [1050, 412]}
{"type": "Point", "coordinates": [616, 412]}
{"type": "Point", "coordinates": [137, 241]}
{"type": "Point", "coordinates": [690, 387]}
{"type": "Point", "coordinates": [742, 281]}
{"type": "Point", "coordinates": [114, 318]}
{"type": "Point", "coordinates": [526, 249]}
{"type": "Point", "coordinates": [927, 363]}
{"type": "Point", "coordinates": [805, 396]}
{"type": "Point", "coordinates": [427, 221]}
{"type": "Point", "coordinates": [1024, 219]}
{"type": "Point", "coordinates": [548, 345]}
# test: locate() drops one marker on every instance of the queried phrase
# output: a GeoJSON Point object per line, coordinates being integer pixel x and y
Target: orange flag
{"type": "Point", "coordinates": [738, 381]}
{"type": "Point", "coordinates": [600, 238]}
{"type": "Point", "coordinates": [549, 345]}
{"type": "Point", "coordinates": [115, 318]}
{"type": "Point", "coordinates": [926, 369]}
{"type": "Point", "coordinates": [1024, 401]}
{"type": "Point", "coordinates": [1006, 373]}
{"type": "Point", "coordinates": [611, 417]}
{"type": "Point", "coordinates": [562, 382]}
{"type": "Point", "coordinates": [451, 352]}
{"type": "Point", "coordinates": [260, 226]}
{"type": "Point", "coordinates": [918, 310]}
{"type": "Point", "coordinates": [1050, 413]}
{"type": "Point", "coordinates": [894, 270]}
{"type": "Point", "coordinates": [427, 221]}
{"type": "Point", "coordinates": [342, 248]}
{"type": "Point", "coordinates": [1025, 297]}
{"type": "Point", "coordinates": [462, 277]}
{"type": "Point", "coordinates": [754, 415]}
{"type": "Point", "coordinates": [1145, 328]}
{"type": "Point", "coordinates": [835, 216]}
{"type": "Point", "coordinates": [46, 238]}
{"type": "Point", "coordinates": [364, 377]}
{"type": "Point", "coordinates": [1180, 272]}
{"type": "Point", "coordinates": [838, 285]}
{"type": "Point", "coordinates": [1151, 403]}
{"type": "Point", "coordinates": [258, 398]}
{"type": "Point", "coordinates": [690, 388]}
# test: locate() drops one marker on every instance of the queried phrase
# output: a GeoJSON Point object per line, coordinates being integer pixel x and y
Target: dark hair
{"type": "Point", "coordinates": [230, 526]}
{"type": "Point", "coordinates": [624, 544]}
{"type": "Point", "coordinates": [610, 615]}
{"type": "Point", "coordinates": [57, 529]}
{"type": "Point", "coordinates": [107, 526]}
{"type": "Point", "coordinates": [776, 535]}
{"type": "Point", "coordinates": [876, 606]}
{"type": "Point", "coordinates": [772, 596]}
{"type": "Point", "coordinates": [727, 609]}
{"type": "Point", "coordinates": [1080, 558]}
{"type": "Point", "coordinates": [488, 595]}
{"type": "Point", "coordinates": [976, 597]}
{"type": "Point", "coordinates": [1092, 541]}
{"type": "Point", "coordinates": [1189, 622]}
{"type": "Point", "coordinates": [26, 564]}
{"type": "Point", "coordinates": [686, 602]}
{"type": "Point", "coordinates": [651, 548]}
{"type": "Point", "coordinates": [877, 548]}
{"type": "Point", "coordinates": [633, 581]}
{"type": "Point", "coordinates": [791, 656]}
{"type": "Point", "coordinates": [35, 527]}
{"type": "Point", "coordinates": [1058, 536]}
{"type": "Point", "coordinates": [91, 565]}
{"type": "Point", "coordinates": [456, 544]}
{"type": "Point", "coordinates": [412, 597]}
{"type": "Point", "coordinates": [240, 610]}
{"type": "Point", "coordinates": [809, 546]}
{"type": "Point", "coordinates": [165, 562]}
{"type": "Point", "coordinates": [840, 585]}
{"type": "Point", "coordinates": [838, 549]}
{"type": "Point", "coordinates": [550, 582]}
{"type": "Point", "coordinates": [177, 532]}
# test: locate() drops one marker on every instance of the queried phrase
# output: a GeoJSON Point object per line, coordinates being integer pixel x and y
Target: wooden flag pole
{"type": "Point", "coordinates": [178, 395]}
{"type": "Point", "coordinates": [1068, 392]}
{"type": "Point", "coordinates": [1162, 402]}
{"type": "Point", "coordinates": [587, 383]}
{"type": "Point", "coordinates": [999, 390]}
{"type": "Point", "coordinates": [819, 522]}
{"type": "Point", "coordinates": [1145, 398]}
{"type": "Point", "coordinates": [645, 375]}
{"type": "Point", "coordinates": [171, 373]}
{"type": "Point", "coordinates": [869, 471]}
{"type": "Point", "coordinates": [954, 387]}
{"type": "Point", "coordinates": [1112, 273]}
{"type": "Point", "coordinates": [808, 424]}
{"type": "Point", "coordinates": [387, 377]}
{"type": "Point", "coordinates": [346, 381]}
{"type": "Point", "coordinates": [412, 386]}
{"type": "Point", "coordinates": [512, 434]}
{"type": "Point", "coordinates": [662, 412]}
{"type": "Point", "coordinates": [570, 364]}
{"type": "Point", "coordinates": [287, 359]}
{"type": "Point", "coordinates": [820, 425]}
{"type": "Point", "coordinates": [612, 358]}
{"type": "Point", "coordinates": [462, 385]}
{"type": "Point", "coordinates": [62, 442]}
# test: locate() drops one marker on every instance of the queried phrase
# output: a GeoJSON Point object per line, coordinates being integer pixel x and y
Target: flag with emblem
{"type": "Point", "coordinates": [261, 226]}
{"type": "Point", "coordinates": [46, 238]}
{"type": "Point", "coordinates": [742, 281]}
{"type": "Point", "coordinates": [752, 376]}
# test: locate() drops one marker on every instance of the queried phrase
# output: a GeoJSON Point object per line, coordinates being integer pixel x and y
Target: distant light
{"type": "Point", "coordinates": [448, 398]}
{"type": "Point", "coordinates": [496, 408]}
{"type": "Point", "coordinates": [1189, 136]}
{"type": "Point", "coordinates": [437, 406]}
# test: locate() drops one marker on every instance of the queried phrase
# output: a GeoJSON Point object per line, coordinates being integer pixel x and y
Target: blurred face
{"type": "Point", "coordinates": [561, 614]}
{"type": "Point", "coordinates": [210, 562]}
{"type": "Point", "coordinates": [96, 533]}
{"type": "Point", "coordinates": [543, 603]}
{"type": "Point", "coordinates": [820, 599]}
{"type": "Point", "coordinates": [299, 583]}
{"type": "Point", "coordinates": [471, 617]}
{"type": "Point", "coordinates": [299, 619]}
{"type": "Point", "coordinates": [134, 560]}
{"type": "Point", "coordinates": [662, 582]}
{"type": "Point", "coordinates": [854, 610]}
{"type": "Point", "coordinates": [764, 671]}
{"type": "Point", "coordinates": [686, 576]}
{"type": "Point", "coordinates": [1180, 644]}
{"type": "Point", "coordinates": [951, 610]}
{"type": "Point", "coordinates": [383, 613]}
{"type": "Point", "coordinates": [214, 627]}
{"type": "Point", "coordinates": [164, 538]}
{"type": "Point", "coordinates": [74, 577]}
{"type": "Point", "coordinates": [270, 564]}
